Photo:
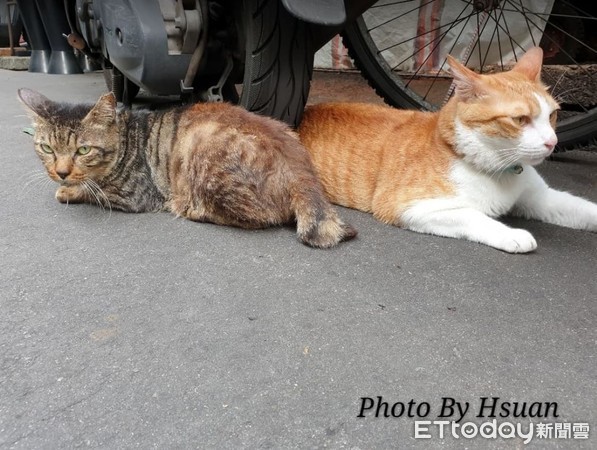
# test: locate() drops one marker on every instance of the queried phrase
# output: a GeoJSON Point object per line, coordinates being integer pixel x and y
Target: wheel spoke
{"type": "Point", "coordinates": [416, 36]}
{"type": "Point", "coordinates": [401, 15]}
{"type": "Point", "coordinates": [561, 30]}
{"type": "Point", "coordinates": [481, 24]}
{"type": "Point", "coordinates": [527, 22]}
{"type": "Point", "coordinates": [413, 38]}
{"type": "Point", "coordinates": [377, 5]}
{"type": "Point", "coordinates": [499, 39]}
{"type": "Point", "coordinates": [585, 15]}
{"type": "Point", "coordinates": [451, 26]}
{"type": "Point", "coordinates": [449, 93]}
{"type": "Point", "coordinates": [434, 79]}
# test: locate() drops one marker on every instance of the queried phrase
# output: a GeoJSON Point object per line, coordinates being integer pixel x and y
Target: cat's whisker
{"type": "Point", "coordinates": [505, 164]}
{"type": "Point", "coordinates": [509, 157]}
{"type": "Point", "coordinates": [508, 149]}
{"type": "Point", "coordinates": [92, 194]}
{"type": "Point", "coordinates": [45, 182]}
{"type": "Point", "coordinates": [571, 89]}
{"type": "Point", "coordinates": [102, 194]}
{"type": "Point", "coordinates": [558, 81]}
{"type": "Point", "coordinates": [502, 164]}
{"type": "Point", "coordinates": [506, 156]}
{"type": "Point", "coordinates": [66, 204]}
{"type": "Point", "coordinates": [99, 195]}
{"type": "Point", "coordinates": [33, 183]}
{"type": "Point", "coordinates": [560, 97]}
{"type": "Point", "coordinates": [100, 199]}
{"type": "Point", "coordinates": [90, 189]}
{"type": "Point", "coordinates": [34, 176]}
{"type": "Point", "coordinates": [35, 172]}
{"type": "Point", "coordinates": [36, 180]}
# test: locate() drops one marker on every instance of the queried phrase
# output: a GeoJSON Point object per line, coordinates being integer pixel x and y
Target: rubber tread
{"type": "Point", "coordinates": [278, 61]}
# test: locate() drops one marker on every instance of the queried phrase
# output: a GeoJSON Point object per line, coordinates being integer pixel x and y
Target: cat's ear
{"type": "Point", "coordinates": [468, 83]}
{"type": "Point", "coordinates": [104, 111]}
{"type": "Point", "coordinates": [36, 103]}
{"type": "Point", "coordinates": [530, 64]}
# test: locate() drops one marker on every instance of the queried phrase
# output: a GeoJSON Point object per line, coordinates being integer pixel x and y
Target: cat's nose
{"type": "Point", "coordinates": [551, 142]}
{"type": "Point", "coordinates": [62, 173]}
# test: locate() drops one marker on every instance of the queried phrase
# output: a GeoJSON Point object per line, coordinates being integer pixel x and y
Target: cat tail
{"type": "Point", "coordinates": [317, 222]}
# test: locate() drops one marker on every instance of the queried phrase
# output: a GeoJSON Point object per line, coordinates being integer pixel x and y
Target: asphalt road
{"type": "Point", "coordinates": [145, 331]}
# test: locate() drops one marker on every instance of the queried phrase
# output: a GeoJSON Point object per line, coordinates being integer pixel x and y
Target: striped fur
{"type": "Point", "coordinates": [208, 162]}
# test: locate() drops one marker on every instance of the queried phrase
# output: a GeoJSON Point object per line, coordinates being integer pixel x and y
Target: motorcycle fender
{"type": "Point", "coordinates": [320, 12]}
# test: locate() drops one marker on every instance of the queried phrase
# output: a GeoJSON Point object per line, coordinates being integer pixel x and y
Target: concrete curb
{"type": "Point", "coordinates": [14, 62]}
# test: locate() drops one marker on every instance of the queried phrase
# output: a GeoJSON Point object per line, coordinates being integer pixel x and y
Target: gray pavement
{"type": "Point", "coordinates": [145, 331]}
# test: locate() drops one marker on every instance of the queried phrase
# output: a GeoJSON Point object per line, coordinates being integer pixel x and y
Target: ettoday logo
{"type": "Point", "coordinates": [504, 430]}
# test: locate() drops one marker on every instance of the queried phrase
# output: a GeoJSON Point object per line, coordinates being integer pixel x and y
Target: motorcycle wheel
{"type": "Point", "coordinates": [373, 42]}
{"type": "Point", "coordinates": [278, 61]}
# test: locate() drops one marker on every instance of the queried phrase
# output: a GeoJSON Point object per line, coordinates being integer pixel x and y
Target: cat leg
{"type": "Point", "coordinates": [201, 214]}
{"type": "Point", "coordinates": [71, 194]}
{"type": "Point", "coordinates": [541, 202]}
{"type": "Point", "coordinates": [317, 223]}
{"type": "Point", "coordinates": [445, 218]}
{"type": "Point", "coordinates": [183, 206]}
{"type": "Point", "coordinates": [197, 212]}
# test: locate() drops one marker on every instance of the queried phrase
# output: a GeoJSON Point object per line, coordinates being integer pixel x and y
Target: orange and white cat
{"type": "Point", "coordinates": [452, 172]}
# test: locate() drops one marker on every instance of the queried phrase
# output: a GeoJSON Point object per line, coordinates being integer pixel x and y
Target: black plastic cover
{"type": "Point", "coordinates": [135, 40]}
{"type": "Point", "coordinates": [321, 12]}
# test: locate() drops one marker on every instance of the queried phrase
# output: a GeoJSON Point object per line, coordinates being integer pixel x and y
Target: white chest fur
{"type": "Point", "coordinates": [494, 194]}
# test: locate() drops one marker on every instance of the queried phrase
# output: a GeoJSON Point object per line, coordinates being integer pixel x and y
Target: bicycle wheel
{"type": "Point", "coordinates": [278, 61]}
{"type": "Point", "coordinates": [401, 48]}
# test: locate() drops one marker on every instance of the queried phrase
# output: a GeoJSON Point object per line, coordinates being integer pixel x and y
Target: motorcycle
{"type": "Point", "coordinates": [257, 53]}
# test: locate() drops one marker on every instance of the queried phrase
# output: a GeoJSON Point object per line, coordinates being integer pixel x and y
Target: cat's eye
{"type": "Point", "coordinates": [83, 150]}
{"type": "Point", "coordinates": [521, 120]}
{"type": "Point", "coordinates": [47, 149]}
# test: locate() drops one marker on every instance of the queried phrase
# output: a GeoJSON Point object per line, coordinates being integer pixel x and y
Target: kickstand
{"type": "Point", "coordinates": [214, 93]}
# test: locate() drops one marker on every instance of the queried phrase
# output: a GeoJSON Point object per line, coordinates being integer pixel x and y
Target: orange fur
{"type": "Point", "coordinates": [373, 158]}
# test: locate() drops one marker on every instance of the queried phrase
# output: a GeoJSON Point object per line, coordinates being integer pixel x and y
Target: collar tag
{"type": "Point", "coordinates": [516, 169]}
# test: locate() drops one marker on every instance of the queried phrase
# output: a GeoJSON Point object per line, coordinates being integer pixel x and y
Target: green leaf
{"type": "Point", "coordinates": [29, 130]}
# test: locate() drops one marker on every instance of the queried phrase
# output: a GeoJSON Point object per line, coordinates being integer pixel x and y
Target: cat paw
{"type": "Point", "coordinates": [328, 233]}
{"type": "Point", "coordinates": [517, 241]}
{"type": "Point", "coordinates": [68, 194]}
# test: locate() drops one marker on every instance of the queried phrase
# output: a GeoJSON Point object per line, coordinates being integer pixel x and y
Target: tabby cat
{"type": "Point", "coordinates": [207, 162]}
{"type": "Point", "coordinates": [450, 173]}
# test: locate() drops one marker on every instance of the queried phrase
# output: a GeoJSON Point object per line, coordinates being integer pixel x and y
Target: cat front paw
{"type": "Point", "coordinates": [517, 241]}
{"type": "Point", "coordinates": [69, 194]}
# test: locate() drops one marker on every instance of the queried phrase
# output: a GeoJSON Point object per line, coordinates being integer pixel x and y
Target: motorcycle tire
{"type": "Point", "coordinates": [278, 61]}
